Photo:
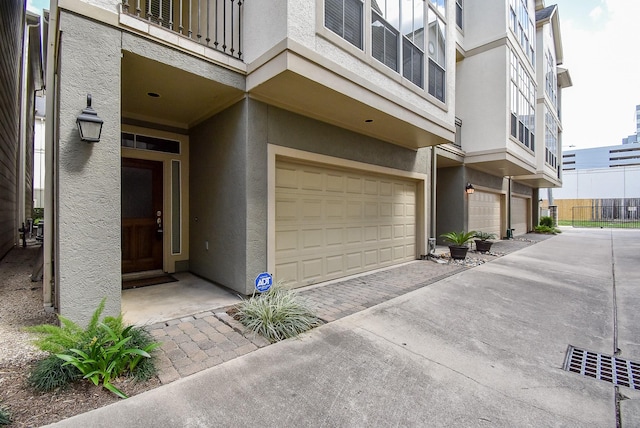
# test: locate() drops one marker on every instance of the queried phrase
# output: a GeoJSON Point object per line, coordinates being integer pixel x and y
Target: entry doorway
{"type": "Point", "coordinates": [142, 215]}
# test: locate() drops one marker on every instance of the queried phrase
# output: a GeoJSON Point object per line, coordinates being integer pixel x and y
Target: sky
{"type": "Point", "coordinates": [37, 5]}
{"type": "Point", "coordinates": [601, 44]}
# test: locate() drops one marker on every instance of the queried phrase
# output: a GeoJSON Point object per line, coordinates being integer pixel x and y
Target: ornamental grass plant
{"type": "Point", "coordinates": [277, 314]}
{"type": "Point", "coordinates": [5, 418]}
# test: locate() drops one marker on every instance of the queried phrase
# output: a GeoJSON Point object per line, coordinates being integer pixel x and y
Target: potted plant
{"type": "Point", "coordinates": [482, 243]}
{"type": "Point", "coordinates": [459, 241]}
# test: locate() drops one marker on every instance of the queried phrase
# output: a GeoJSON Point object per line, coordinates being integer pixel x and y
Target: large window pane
{"type": "Point", "coordinates": [345, 17]}
{"type": "Point", "coordinates": [439, 5]}
{"type": "Point", "coordinates": [384, 42]}
{"type": "Point", "coordinates": [412, 66]}
{"type": "Point", "coordinates": [436, 80]}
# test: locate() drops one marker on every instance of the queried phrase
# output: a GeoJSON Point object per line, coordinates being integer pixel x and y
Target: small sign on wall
{"type": "Point", "coordinates": [264, 281]}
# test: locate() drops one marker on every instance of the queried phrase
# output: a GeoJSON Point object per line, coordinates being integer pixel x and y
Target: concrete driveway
{"type": "Point", "coordinates": [484, 347]}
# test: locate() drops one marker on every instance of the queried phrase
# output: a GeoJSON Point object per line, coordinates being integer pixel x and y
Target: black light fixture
{"type": "Point", "coordinates": [469, 188]}
{"type": "Point", "coordinates": [89, 124]}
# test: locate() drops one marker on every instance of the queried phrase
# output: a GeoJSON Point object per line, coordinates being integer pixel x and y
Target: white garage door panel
{"type": "Point", "coordinates": [332, 223]}
{"type": "Point", "coordinates": [519, 215]}
{"type": "Point", "coordinates": [485, 212]}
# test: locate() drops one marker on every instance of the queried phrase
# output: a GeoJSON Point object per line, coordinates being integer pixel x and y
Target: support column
{"type": "Point", "coordinates": [88, 256]}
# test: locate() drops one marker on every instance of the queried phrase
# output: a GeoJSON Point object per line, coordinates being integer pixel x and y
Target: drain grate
{"type": "Point", "coordinates": [603, 367]}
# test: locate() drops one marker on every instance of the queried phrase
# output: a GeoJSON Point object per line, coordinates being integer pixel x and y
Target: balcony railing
{"type": "Point", "coordinates": [213, 23]}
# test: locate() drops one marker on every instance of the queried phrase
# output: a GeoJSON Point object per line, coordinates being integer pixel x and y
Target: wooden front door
{"type": "Point", "coordinates": [142, 215]}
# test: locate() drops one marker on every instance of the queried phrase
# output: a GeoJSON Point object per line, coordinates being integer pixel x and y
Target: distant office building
{"type": "Point", "coordinates": [602, 157]}
{"type": "Point", "coordinates": [634, 138]}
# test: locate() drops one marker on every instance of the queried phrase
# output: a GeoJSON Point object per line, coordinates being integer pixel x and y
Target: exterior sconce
{"type": "Point", "coordinates": [89, 124]}
{"type": "Point", "coordinates": [469, 189]}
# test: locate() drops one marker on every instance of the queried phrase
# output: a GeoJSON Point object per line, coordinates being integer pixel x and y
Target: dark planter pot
{"type": "Point", "coordinates": [458, 252]}
{"type": "Point", "coordinates": [483, 246]}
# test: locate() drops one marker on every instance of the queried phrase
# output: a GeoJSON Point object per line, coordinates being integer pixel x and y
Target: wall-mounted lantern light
{"type": "Point", "coordinates": [469, 189]}
{"type": "Point", "coordinates": [89, 124]}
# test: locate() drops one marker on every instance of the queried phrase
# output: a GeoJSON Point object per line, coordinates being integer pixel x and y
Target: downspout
{"type": "Point", "coordinates": [49, 191]}
{"type": "Point", "coordinates": [509, 230]}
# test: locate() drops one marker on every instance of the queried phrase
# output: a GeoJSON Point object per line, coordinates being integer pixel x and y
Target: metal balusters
{"type": "Point", "coordinates": [199, 35]}
{"type": "Point", "coordinates": [215, 43]}
{"type": "Point", "coordinates": [224, 26]}
{"type": "Point", "coordinates": [232, 38]}
{"type": "Point", "coordinates": [221, 31]}
{"type": "Point", "coordinates": [239, 29]}
{"type": "Point", "coordinates": [208, 39]}
{"type": "Point", "coordinates": [190, 20]}
{"type": "Point", "coordinates": [180, 26]}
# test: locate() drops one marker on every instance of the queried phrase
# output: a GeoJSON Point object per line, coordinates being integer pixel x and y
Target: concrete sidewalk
{"type": "Point", "coordinates": [483, 347]}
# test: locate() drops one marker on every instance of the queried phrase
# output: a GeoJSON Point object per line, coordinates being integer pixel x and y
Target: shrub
{"type": "Point", "coordinates": [5, 418]}
{"type": "Point", "coordinates": [546, 221]}
{"type": "Point", "coordinates": [277, 314]}
{"type": "Point", "coordinates": [52, 373]}
{"type": "Point", "coordinates": [547, 230]}
{"type": "Point", "coordinates": [100, 353]}
{"type": "Point", "coordinates": [459, 238]}
{"type": "Point", "coordinates": [485, 236]}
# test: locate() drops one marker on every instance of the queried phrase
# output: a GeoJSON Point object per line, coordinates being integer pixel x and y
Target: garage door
{"type": "Point", "coordinates": [519, 215]}
{"type": "Point", "coordinates": [332, 223]}
{"type": "Point", "coordinates": [484, 212]}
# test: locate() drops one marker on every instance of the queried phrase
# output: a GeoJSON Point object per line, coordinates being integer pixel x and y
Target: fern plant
{"type": "Point", "coordinates": [101, 352]}
{"type": "Point", "coordinates": [278, 314]}
{"type": "Point", "coordinates": [107, 357]}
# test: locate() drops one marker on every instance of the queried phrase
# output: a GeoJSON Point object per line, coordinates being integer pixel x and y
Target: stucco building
{"type": "Point", "coordinates": [295, 137]}
{"type": "Point", "coordinates": [508, 113]}
{"type": "Point", "coordinates": [21, 76]}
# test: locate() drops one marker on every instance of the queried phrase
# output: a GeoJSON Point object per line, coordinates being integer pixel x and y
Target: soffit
{"type": "Point", "coordinates": [185, 98]}
{"type": "Point", "coordinates": [296, 85]}
{"type": "Point", "coordinates": [501, 164]}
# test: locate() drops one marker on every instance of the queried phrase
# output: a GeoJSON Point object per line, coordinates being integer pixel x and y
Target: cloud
{"type": "Point", "coordinates": [599, 109]}
{"type": "Point", "coordinates": [596, 13]}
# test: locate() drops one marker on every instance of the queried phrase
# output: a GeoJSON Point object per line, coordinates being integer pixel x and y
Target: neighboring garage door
{"type": "Point", "coordinates": [484, 212]}
{"type": "Point", "coordinates": [519, 215]}
{"type": "Point", "coordinates": [333, 223]}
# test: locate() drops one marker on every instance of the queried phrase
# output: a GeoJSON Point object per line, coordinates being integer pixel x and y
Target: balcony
{"type": "Point", "coordinates": [216, 24]}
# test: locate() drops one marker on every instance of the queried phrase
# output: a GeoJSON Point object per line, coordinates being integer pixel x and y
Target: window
{"type": "Point", "coordinates": [437, 50]}
{"type": "Point", "coordinates": [521, 23]}
{"type": "Point", "coordinates": [144, 142]}
{"type": "Point", "coordinates": [345, 17]}
{"type": "Point", "coordinates": [459, 10]}
{"type": "Point", "coordinates": [522, 103]}
{"type": "Point", "coordinates": [397, 36]}
{"type": "Point", "coordinates": [551, 140]}
{"type": "Point", "coordinates": [551, 80]}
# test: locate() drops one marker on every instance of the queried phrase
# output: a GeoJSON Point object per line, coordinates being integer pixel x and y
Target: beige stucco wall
{"type": "Point", "coordinates": [482, 100]}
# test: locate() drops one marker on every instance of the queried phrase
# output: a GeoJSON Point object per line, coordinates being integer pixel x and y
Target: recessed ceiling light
{"type": "Point", "coordinates": [153, 94]}
{"type": "Point", "coordinates": [368, 120]}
